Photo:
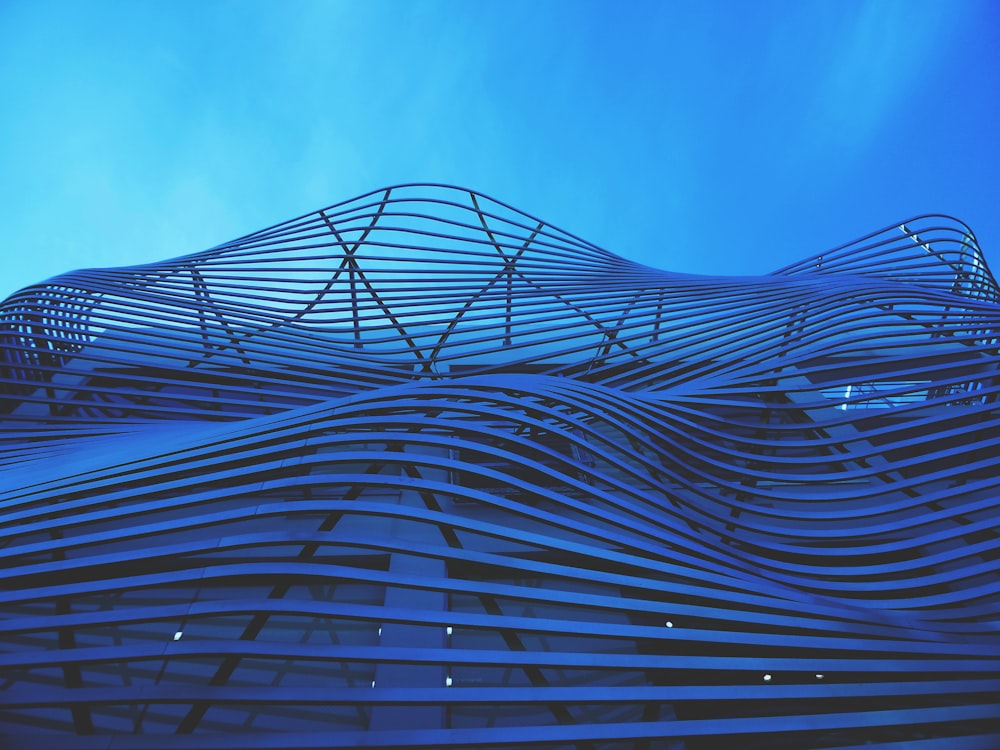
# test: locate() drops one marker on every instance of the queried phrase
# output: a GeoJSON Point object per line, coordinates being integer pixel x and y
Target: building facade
{"type": "Point", "coordinates": [420, 470]}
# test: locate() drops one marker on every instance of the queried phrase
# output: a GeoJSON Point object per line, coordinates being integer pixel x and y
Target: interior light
{"type": "Point", "coordinates": [668, 624]}
{"type": "Point", "coordinates": [373, 683]}
{"type": "Point", "coordinates": [178, 634]}
{"type": "Point", "coordinates": [847, 394]}
{"type": "Point", "coordinates": [819, 677]}
{"type": "Point", "coordinates": [767, 678]}
{"type": "Point", "coordinates": [447, 681]}
{"type": "Point", "coordinates": [448, 630]}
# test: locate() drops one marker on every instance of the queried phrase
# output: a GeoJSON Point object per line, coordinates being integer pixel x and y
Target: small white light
{"type": "Point", "coordinates": [448, 630]}
{"type": "Point", "coordinates": [447, 681]}
{"type": "Point", "coordinates": [373, 683]}
{"type": "Point", "coordinates": [668, 624]}
{"type": "Point", "coordinates": [819, 677]}
{"type": "Point", "coordinates": [767, 678]}
{"type": "Point", "coordinates": [178, 634]}
{"type": "Point", "coordinates": [380, 632]}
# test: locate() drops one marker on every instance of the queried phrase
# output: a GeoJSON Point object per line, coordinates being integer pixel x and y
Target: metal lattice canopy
{"type": "Point", "coordinates": [420, 470]}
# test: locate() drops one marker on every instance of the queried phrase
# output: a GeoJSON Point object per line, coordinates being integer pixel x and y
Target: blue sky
{"type": "Point", "coordinates": [713, 137]}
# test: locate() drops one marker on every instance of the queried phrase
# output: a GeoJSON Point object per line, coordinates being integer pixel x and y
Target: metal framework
{"type": "Point", "coordinates": [420, 470]}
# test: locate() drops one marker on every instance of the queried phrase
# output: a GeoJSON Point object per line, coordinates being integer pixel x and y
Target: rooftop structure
{"type": "Point", "coordinates": [420, 470]}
